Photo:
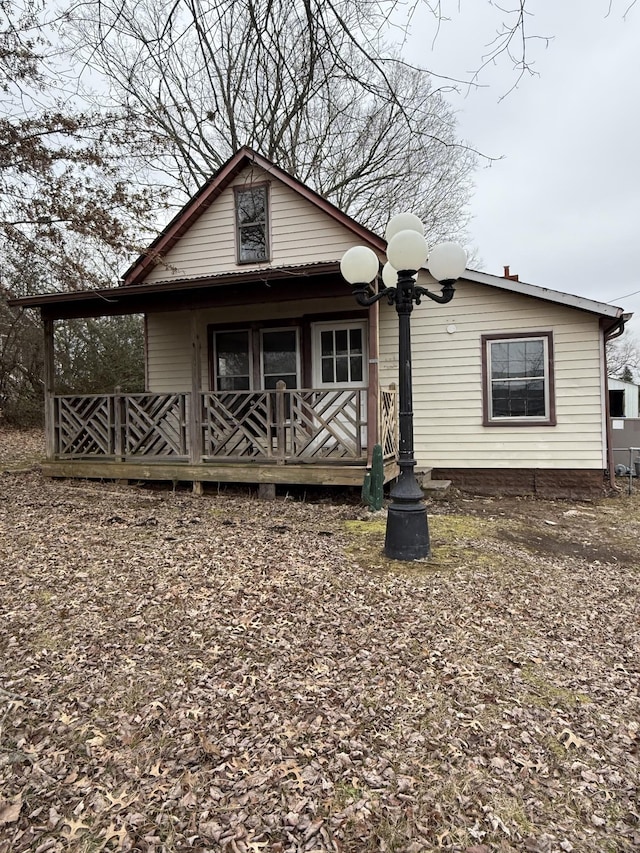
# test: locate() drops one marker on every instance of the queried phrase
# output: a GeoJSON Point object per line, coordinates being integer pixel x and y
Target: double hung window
{"type": "Point", "coordinates": [280, 358]}
{"type": "Point", "coordinates": [252, 223]}
{"type": "Point", "coordinates": [233, 360]}
{"type": "Point", "coordinates": [518, 379]}
{"type": "Point", "coordinates": [244, 359]}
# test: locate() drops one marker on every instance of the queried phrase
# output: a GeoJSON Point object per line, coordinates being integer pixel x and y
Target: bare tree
{"type": "Point", "coordinates": [69, 213]}
{"type": "Point", "coordinates": [623, 358]}
{"type": "Point", "coordinates": [21, 398]}
{"type": "Point", "coordinates": [63, 194]}
{"type": "Point", "coordinates": [309, 84]}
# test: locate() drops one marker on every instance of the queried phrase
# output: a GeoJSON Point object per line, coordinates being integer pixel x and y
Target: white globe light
{"type": "Point", "coordinates": [389, 275]}
{"type": "Point", "coordinates": [447, 261]}
{"type": "Point", "coordinates": [407, 250]}
{"type": "Point", "coordinates": [403, 222]}
{"type": "Point", "coordinates": [359, 265]}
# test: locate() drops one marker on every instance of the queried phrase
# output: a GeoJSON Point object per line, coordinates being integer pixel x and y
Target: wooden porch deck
{"type": "Point", "coordinates": [297, 436]}
{"type": "Point", "coordinates": [308, 475]}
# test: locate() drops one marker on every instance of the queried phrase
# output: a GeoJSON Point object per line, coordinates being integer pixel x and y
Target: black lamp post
{"type": "Point", "coordinates": [407, 533]}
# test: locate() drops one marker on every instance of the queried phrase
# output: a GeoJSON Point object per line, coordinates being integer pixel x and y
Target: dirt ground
{"type": "Point", "coordinates": [220, 673]}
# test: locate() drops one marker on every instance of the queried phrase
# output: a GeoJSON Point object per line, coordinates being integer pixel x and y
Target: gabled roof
{"type": "Point", "coordinates": [208, 193]}
{"type": "Point", "coordinates": [133, 289]}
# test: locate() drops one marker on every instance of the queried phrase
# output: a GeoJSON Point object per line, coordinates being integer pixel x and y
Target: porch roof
{"type": "Point", "coordinates": [191, 292]}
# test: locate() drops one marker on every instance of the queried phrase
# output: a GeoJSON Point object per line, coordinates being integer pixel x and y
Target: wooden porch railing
{"type": "Point", "coordinates": [388, 422]}
{"type": "Point", "coordinates": [285, 424]}
{"type": "Point", "coordinates": [121, 426]}
{"type": "Point", "coordinates": [282, 425]}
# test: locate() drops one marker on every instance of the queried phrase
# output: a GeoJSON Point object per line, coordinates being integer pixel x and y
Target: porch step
{"type": "Point", "coordinates": [433, 488]}
{"type": "Point", "coordinates": [436, 486]}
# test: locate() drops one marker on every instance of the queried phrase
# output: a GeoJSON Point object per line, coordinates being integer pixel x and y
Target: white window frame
{"type": "Point", "coordinates": [318, 328]}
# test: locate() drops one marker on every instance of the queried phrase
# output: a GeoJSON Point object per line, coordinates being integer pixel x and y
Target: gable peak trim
{"type": "Point", "coordinates": [213, 188]}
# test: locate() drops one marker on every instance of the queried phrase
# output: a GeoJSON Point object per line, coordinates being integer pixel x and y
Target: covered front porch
{"type": "Point", "coordinates": [237, 388]}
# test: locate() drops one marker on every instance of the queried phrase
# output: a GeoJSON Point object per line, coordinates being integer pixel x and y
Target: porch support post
{"type": "Point", "coordinates": [280, 418]}
{"type": "Point", "coordinates": [118, 425]}
{"type": "Point", "coordinates": [195, 410]}
{"type": "Point", "coordinates": [373, 394]}
{"type": "Point", "coordinates": [49, 386]}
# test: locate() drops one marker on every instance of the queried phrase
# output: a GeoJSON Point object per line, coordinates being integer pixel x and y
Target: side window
{"type": "Point", "coordinates": [252, 224]}
{"type": "Point", "coordinates": [518, 380]}
{"type": "Point", "coordinates": [616, 404]}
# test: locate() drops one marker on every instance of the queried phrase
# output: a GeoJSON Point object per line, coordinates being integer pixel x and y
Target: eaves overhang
{"type": "Point", "coordinates": [141, 297]}
{"type": "Point", "coordinates": [603, 309]}
{"type": "Point", "coordinates": [134, 298]}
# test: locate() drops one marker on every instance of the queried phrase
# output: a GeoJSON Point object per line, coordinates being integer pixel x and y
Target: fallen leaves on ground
{"type": "Point", "coordinates": [220, 673]}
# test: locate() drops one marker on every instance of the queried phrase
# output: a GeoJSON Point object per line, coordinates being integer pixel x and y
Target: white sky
{"type": "Point", "coordinates": [562, 207]}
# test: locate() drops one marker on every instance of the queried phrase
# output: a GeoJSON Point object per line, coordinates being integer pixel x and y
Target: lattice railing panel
{"type": "Point", "coordinates": [327, 424]}
{"type": "Point", "coordinates": [286, 424]}
{"type": "Point", "coordinates": [389, 423]}
{"type": "Point", "coordinates": [239, 424]}
{"type": "Point", "coordinates": [283, 425]}
{"type": "Point", "coordinates": [155, 425]}
{"type": "Point", "coordinates": [84, 426]}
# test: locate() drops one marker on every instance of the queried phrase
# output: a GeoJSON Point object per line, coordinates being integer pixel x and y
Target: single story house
{"type": "Point", "coordinates": [262, 368]}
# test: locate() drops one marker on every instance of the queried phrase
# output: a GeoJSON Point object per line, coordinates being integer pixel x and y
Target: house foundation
{"type": "Point", "coordinates": [561, 484]}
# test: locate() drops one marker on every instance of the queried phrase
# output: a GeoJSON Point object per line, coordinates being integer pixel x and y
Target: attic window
{"type": "Point", "coordinates": [252, 223]}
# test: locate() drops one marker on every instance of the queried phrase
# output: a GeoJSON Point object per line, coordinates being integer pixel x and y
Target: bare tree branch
{"type": "Point", "coordinates": [309, 84]}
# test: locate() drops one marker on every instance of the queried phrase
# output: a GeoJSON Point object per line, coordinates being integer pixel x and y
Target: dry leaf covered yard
{"type": "Point", "coordinates": [218, 673]}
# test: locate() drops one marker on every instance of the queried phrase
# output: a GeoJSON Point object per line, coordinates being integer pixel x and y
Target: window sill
{"type": "Point", "coordinates": [519, 422]}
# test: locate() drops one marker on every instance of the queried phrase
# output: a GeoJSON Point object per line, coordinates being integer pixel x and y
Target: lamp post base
{"type": "Point", "coordinates": [407, 533]}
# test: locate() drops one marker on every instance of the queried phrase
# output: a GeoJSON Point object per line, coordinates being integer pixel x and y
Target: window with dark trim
{"type": "Point", "coordinates": [518, 387]}
{"type": "Point", "coordinates": [244, 359]}
{"type": "Point", "coordinates": [252, 223]}
{"type": "Point", "coordinates": [280, 357]}
{"type": "Point", "coordinates": [232, 360]}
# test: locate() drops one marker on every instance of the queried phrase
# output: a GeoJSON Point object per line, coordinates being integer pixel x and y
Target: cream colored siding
{"type": "Point", "coordinates": [169, 336]}
{"type": "Point", "coordinates": [168, 352]}
{"type": "Point", "coordinates": [447, 382]}
{"type": "Point", "coordinates": [300, 233]}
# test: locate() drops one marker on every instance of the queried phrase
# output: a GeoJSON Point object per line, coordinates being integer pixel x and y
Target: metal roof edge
{"type": "Point", "coordinates": [117, 293]}
{"type": "Point", "coordinates": [546, 293]}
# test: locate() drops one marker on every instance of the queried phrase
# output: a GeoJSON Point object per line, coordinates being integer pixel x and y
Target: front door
{"type": "Point", "coordinates": [339, 356]}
